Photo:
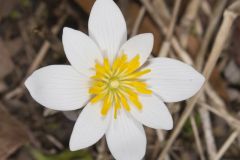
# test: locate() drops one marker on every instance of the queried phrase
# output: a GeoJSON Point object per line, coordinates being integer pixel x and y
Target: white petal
{"type": "Point", "coordinates": [173, 80]}
{"type": "Point", "coordinates": [58, 87]}
{"type": "Point", "coordinates": [141, 44]}
{"type": "Point", "coordinates": [107, 27]}
{"type": "Point", "coordinates": [126, 138]}
{"type": "Point", "coordinates": [154, 113]}
{"type": "Point", "coordinates": [89, 128]}
{"type": "Point", "coordinates": [81, 51]}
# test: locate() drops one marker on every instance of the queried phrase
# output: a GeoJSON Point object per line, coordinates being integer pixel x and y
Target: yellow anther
{"type": "Point", "coordinates": [118, 84]}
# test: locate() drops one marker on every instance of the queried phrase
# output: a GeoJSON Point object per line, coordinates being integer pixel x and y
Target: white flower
{"type": "Point", "coordinates": [108, 76]}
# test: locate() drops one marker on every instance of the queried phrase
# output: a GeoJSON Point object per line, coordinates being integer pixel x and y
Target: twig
{"type": "Point", "coordinates": [207, 129]}
{"type": "Point", "coordinates": [167, 43]}
{"type": "Point", "coordinates": [181, 52]}
{"type": "Point", "coordinates": [198, 27]}
{"type": "Point", "coordinates": [54, 141]}
{"type": "Point", "coordinates": [28, 45]}
{"type": "Point", "coordinates": [214, 96]}
{"type": "Point", "coordinates": [101, 149]}
{"type": "Point", "coordinates": [138, 21]}
{"type": "Point", "coordinates": [208, 135]}
{"type": "Point", "coordinates": [163, 10]}
{"type": "Point", "coordinates": [226, 145]}
{"type": "Point", "coordinates": [209, 33]}
{"type": "Point", "coordinates": [197, 138]}
{"type": "Point", "coordinates": [154, 15]}
{"type": "Point", "coordinates": [176, 46]}
{"type": "Point", "coordinates": [206, 8]}
{"type": "Point", "coordinates": [222, 35]}
{"type": "Point", "coordinates": [158, 144]}
{"type": "Point", "coordinates": [188, 21]}
{"type": "Point", "coordinates": [233, 122]}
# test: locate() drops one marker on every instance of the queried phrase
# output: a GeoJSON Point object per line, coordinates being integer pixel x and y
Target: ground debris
{"type": "Point", "coordinates": [6, 64]}
{"type": "Point", "coordinates": [12, 134]}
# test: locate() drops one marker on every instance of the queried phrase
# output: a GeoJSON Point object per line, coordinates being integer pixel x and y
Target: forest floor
{"type": "Point", "coordinates": [206, 127]}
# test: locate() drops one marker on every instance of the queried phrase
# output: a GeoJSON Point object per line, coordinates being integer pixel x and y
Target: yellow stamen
{"type": "Point", "coordinates": [118, 84]}
{"type": "Point", "coordinates": [117, 106]}
{"type": "Point", "coordinates": [124, 102]}
{"type": "Point", "coordinates": [133, 97]}
{"type": "Point", "coordinates": [144, 90]}
{"type": "Point", "coordinates": [138, 74]}
{"type": "Point", "coordinates": [106, 105]}
{"type": "Point", "coordinates": [95, 90]}
{"type": "Point", "coordinates": [133, 64]}
{"type": "Point", "coordinates": [97, 98]}
{"type": "Point", "coordinates": [107, 66]}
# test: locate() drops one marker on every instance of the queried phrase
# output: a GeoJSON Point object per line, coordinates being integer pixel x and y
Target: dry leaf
{"type": "Point", "coordinates": [12, 134]}
{"type": "Point", "coordinates": [219, 84]}
{"type": "Point", "coordinates": [193, 46]}
{"type": "Point", "coordinates": [6, 64]}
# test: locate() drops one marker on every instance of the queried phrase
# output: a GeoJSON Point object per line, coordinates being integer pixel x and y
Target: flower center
{"type": "Point", "coordinates": [119, 84]}
{"type": "Point", "coordinates": [114, 84]}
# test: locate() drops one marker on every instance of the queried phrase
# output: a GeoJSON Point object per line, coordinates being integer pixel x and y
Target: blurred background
{"type": "Point", "coordinates": [194, 31]}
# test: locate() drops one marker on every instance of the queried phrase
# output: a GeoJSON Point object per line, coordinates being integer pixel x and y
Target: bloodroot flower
{"type": "Point", "coordinates": [120, 88]}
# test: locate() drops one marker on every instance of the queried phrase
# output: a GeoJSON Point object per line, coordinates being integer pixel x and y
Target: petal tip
{"type": "Point", "coordinates": [150, 35]}
{"type": "Point", "coordinates": [151, 38]}
{"type": "Point", "coordinates": [29, 84]}
{"type": "Point", "coordinates": [72, 148]}
{"type": "Point", "coordinates": [104, 1]}
{"type": "Point", "coordinates": [26, 83]}
{"type": "Point", "coordinates": [202, 79]}
{"type": "Point", "coordinates": [65, 29]}
{"type": "Point", "coordinates": [169, 124]}
{"type": "Point", "coordinates": [73, 145]}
